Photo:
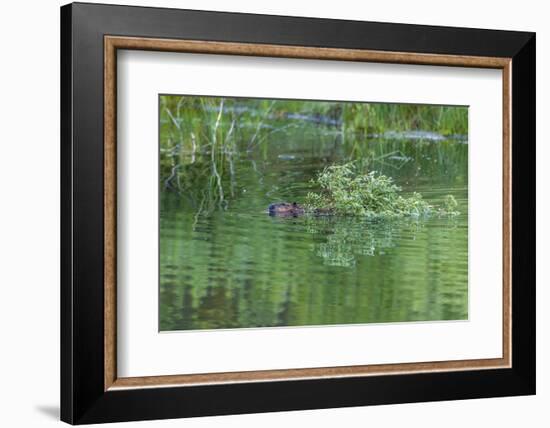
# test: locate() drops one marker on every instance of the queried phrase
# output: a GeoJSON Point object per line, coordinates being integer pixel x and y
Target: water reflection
{"type": "Point", "coordinates": [251, 270]}
{"type": "Point", "coordinates": [343, 240]}
{"type": "Point", "coordinates": [237, 267]}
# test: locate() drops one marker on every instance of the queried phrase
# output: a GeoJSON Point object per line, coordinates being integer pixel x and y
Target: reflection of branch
{"type": "Point", "coordinates": [229, 132]}
{"type": "Point", "coordinates": [167, 182]}
{"type": "Point", "coordinates": [230, 157]}
{"type": "Point", "coordinates": [344, 239]}
{"type": "Point", "coordinates": [280, 129]}
{"type": "Point", "coordinates": [213, 153]}
{"type": "Point", "coordinates": [255, 168]}
{"type": "Point", "coordinates": [199, 211]}
{"type": "Point", "coordinates": [193, 147]}
{"type": "Point", "coordinates": [260, 123]}
{"type": "Point", "coordinates": [392, 155]}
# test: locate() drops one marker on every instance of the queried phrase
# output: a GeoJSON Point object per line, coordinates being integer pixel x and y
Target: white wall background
{"type": "Point", "coordinates": [29, 213]}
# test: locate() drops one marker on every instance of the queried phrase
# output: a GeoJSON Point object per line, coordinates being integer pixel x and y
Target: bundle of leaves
{"type": "Point", "coordinates": [348, 190]}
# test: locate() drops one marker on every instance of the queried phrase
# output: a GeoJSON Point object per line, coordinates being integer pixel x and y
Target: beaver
{"type": "Point", "coordinates": [286, 209]}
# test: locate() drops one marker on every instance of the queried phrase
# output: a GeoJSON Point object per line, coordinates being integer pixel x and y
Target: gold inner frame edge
{"type": "Point", "coordinates": [113, 43]}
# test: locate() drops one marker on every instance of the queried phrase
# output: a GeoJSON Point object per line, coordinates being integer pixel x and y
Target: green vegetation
{"type": "Point", "coordinates": [224, 263]}
{"type": "Point", "coordinates": [348, 190]}
{"type": "Point", "coordinates": [379, 118]}
{"type": "Point", "coordinates": [203, 138]}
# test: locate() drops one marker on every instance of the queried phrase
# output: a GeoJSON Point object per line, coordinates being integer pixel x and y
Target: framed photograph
{"type": "Point", "coordinates": [265, 213]}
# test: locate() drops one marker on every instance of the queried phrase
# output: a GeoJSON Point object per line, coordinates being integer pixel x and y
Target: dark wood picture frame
{"type": "Point", "coordinates": [90, 37]}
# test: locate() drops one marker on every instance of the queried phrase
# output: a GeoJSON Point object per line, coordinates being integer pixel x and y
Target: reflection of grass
{"type": "Point", "coordinates": [450, 206]}
{"type": "Point", "coordinates": [349, 190]}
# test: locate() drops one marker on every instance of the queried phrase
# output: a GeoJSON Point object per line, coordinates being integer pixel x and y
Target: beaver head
{"type": "Point", "coordinates": [285, 209]}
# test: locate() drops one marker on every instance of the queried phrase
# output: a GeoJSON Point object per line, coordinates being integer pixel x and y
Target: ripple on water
{"type": "Point", "coordinates": [243, 268]}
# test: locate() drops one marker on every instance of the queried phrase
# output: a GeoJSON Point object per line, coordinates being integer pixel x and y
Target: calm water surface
{"type": "Point", "coordinates": [238, 267]}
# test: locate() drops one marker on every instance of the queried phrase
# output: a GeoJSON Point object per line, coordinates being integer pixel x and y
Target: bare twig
{"type": "Point", "coordinates": [213, 153]}
{"type": "Point", "coordinates": [260, 123]}
{"type": "Point", "coordinates": [230, 158]}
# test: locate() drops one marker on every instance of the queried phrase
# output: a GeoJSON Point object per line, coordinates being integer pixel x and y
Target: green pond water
{"type": "Point", "coordinates": [237, 267]}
